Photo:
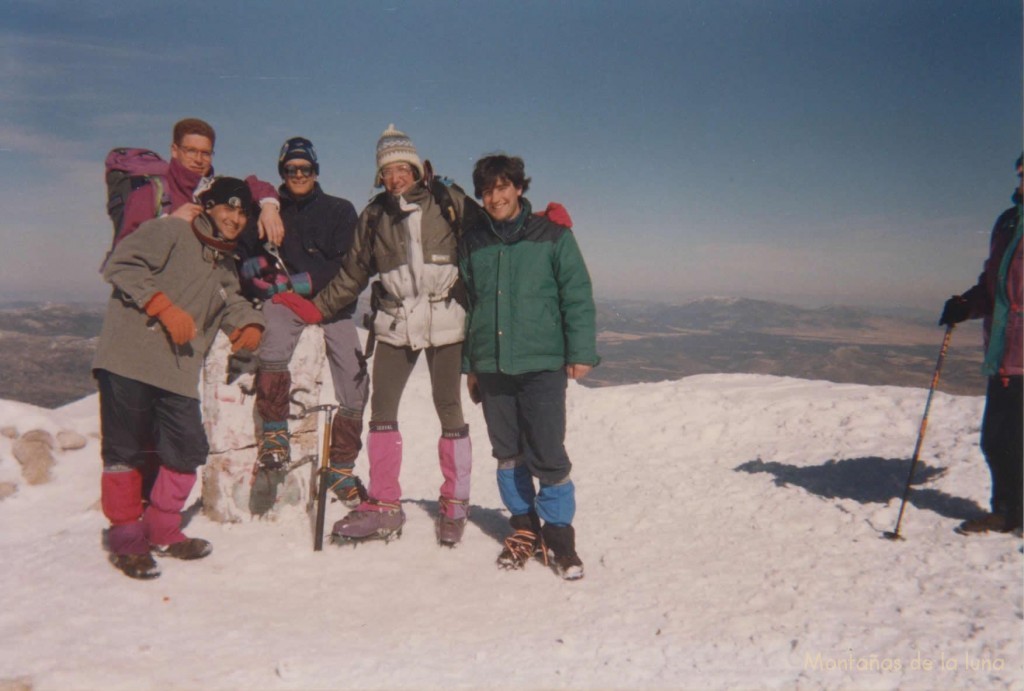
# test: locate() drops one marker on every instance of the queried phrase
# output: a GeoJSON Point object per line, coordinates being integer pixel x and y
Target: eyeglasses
{"type": "Point", "coordinates": [296, 171]}
{"type": "Point", "coordinates": [396, 170]}
{"type": "Point", "coordinates": [196, 153]}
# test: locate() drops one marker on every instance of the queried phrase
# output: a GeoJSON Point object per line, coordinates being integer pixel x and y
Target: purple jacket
{"type": "Point", "coordinates": [1005, 333]}
{"type": "Point", "coordinates": [181, 182]}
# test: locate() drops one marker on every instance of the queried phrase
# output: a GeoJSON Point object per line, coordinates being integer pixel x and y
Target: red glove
{"type": "Point", "coordinates": [305, 309]}
{"type": "Point", "coordinates": [247, 337]}
{"type": "Point", "coordinates": [179, 323]}
{"type": "Point", "coordinates": [556, 213]}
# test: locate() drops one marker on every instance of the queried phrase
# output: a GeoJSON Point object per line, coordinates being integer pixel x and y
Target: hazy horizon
{"type": "Point", "coordinates": [853, 152]}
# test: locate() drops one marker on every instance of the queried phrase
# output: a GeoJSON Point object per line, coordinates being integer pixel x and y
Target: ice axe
{"type": "Point", "coordinates": [321, 480]}
{"type": "Point", "coordinates": [894, 534]}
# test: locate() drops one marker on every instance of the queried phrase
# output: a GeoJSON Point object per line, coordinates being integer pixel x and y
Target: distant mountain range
{"type": "Point", "coordinates": [642, 341]}
{"type": "Point", "coordinates": [46, 348]}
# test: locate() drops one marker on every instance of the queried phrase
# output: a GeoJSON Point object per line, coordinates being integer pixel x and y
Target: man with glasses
{"type": "Point", "coordinates": [319, 230]}
{"type": "Point", "coordinates": [408, 238]}
{"type": "Point", "coordinates": [191, 162]}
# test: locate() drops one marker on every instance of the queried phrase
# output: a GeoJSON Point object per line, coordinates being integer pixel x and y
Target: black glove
{"type": "Point", "coordinates": [956, 310]}
{"type": "Point", "coordinates": [242, 362]}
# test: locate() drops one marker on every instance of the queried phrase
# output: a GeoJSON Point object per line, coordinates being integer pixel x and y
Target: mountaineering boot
{"type": "Point", "coordinates": [346, 431]}
{"type": "Point", "coordinates": [121, 499]}
{"type": "Point", "coordinates": [455, 455]}
{"type": "Point", "coordinates": [448, 528]}
{"type": "Point", "coordinates": [346, 485]}
{"type": "Point", "coordinates": [162, 518]}
{"type": "Point", "coordinates": [275, 450]}
{"type": "Point", "coordinates": [370, 521]}
{"type": "Point", "coordinates": [141, 566]}
{"type": "Point", "coordinates": [189, 548]}
{"type": "Point", "coordinates": [561, 541]}
{"type": "Point", "coordinates": [271, 467]}
{"type": "Point", "coordinates": [523, 543]}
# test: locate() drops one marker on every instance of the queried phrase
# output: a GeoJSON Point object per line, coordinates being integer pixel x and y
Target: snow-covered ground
{"type": "Point", "coordinates": [730, 526]}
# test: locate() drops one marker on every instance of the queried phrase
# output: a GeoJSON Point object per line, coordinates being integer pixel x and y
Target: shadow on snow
{"type": "Point", "coordinates": [869, 480]}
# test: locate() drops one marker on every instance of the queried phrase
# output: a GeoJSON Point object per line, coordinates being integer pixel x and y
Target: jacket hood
{"type": "Point", "coordinates": [203, 228]}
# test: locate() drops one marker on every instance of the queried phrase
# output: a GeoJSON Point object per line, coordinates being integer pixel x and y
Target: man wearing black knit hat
{"type": "Point", "coordinates": [319, 230]}
{"type": "Point", "coordinates": [175, 285]}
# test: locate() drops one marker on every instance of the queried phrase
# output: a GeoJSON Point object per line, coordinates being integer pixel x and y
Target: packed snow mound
{"type": "Point", "coordinates": [730, 526]}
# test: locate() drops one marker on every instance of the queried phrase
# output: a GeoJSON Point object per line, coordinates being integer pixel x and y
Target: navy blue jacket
{"type": "Point", "coordinates": [319, 230]}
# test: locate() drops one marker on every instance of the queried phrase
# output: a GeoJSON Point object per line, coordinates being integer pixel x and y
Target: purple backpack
{"type": "Point", "coordinates": [128, 170]}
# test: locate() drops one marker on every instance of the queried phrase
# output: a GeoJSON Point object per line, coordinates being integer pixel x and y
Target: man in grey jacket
{"type": "Point", "coordinates": [174, 284]}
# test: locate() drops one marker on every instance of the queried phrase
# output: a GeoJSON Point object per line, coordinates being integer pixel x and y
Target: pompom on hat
{"type": "Point", "coordinates": [396, 147]}
{"type": "Point", "coordinates": [297, 148]}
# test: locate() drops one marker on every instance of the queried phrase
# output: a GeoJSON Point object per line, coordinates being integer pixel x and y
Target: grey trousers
{"type": "Point", "coordinates": [344, 352]}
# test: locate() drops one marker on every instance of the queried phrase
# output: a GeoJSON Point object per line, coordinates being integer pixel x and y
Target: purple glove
{"type": "Point", "coordinates": [253, 267]}
{"type": "Point", "coordinates": [266, 289]}
{"type": "Point", "coordinates": [302, 284]}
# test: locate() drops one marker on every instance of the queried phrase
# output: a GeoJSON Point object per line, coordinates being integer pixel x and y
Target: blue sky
{"type": "Point", "coordinates": [810, 151]}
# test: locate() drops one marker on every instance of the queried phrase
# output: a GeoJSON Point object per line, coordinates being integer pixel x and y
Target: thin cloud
{"type": "Point", "coordinates": [48, 45]}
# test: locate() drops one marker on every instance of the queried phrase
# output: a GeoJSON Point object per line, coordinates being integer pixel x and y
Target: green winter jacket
{"type": "Point", "coordinates": [530, 296]}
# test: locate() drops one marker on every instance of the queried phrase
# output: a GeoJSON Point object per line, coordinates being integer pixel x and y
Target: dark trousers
{"type": "Point", "coordinates": [525, 415]}
{"type": "Point", "coordinates": [1002, 428]}
{"type": "Point", "coordinates": [137, 419]}
{"type": "Point", "coordinates": [391, 369]}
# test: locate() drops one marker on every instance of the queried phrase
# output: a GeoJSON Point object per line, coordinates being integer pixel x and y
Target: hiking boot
{"type": "Point", "coordinates": [270, 470]}
{"type": "Point", "coordinates": [188, 549]}
{"type": "Point", "coordinates": [370, 521]}
{"type": "Point", "coordinates": [141, 566]}
{"type": "Point", "coordinates": [449, 530]}
{"type": "Point", "coordinates": [275, 450]}
{"type": "Point", "coordinates": [561, 541]}
{"type": "Point", "coordinates": [989, 523]}
{"type": "Point", "coordinates": [523, 544]}
{"type": "Point", "coordinates": [451, 521]}
{"type": "Point", "coordinates": [346, 486]}
{"type": "Point", "coordinates": [520, 547]}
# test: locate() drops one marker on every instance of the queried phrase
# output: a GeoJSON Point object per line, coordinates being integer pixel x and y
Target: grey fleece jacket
{"type": "Point", "coordinates": [166, 255]}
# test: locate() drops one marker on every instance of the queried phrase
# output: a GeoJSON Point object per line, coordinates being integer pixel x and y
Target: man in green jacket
{"type": "Point", "coordinates": [530, 328]}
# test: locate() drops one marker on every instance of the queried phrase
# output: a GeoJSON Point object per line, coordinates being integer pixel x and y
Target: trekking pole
{"type": "Point", "coordinates": [894, 534]}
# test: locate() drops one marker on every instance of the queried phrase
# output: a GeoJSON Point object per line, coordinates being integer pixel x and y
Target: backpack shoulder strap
{"type": "Point", "coordinates": [161, 196]}
{"type": "Point", "coordinates": [443, 197]}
